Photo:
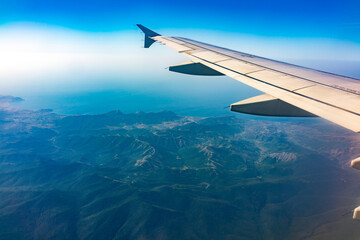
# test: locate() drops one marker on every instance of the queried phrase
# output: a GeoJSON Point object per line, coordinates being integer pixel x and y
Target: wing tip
{"type": "Point", "coordinates": [148, 35]}
{"type": "Point", "coordinates": [148, 32]}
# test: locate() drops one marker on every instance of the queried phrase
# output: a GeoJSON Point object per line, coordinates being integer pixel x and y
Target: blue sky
{"type": "Point", "coordinates": [64, 48]}
{"type": "Point", "coordinates": [330, 19]}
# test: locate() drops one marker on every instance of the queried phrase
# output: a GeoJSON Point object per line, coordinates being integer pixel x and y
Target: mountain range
{"type": "Point", "coordinates": [164, 176]}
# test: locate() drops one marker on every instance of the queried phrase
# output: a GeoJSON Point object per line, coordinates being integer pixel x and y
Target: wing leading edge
{"type": "Point", "coordinates": [291, 90]}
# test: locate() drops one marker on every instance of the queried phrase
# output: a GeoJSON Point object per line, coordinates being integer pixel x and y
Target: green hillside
{"type": "Point", "coordinates": [163, 176]}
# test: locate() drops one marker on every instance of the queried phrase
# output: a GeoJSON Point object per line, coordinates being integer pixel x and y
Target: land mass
{"type": "Point", "coordinates": [164, 176]}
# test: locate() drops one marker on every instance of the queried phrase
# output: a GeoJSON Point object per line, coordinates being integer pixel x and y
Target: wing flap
{"type": "Point", "coordinates": [335, 97]}
{"type": "Point", "coordinates": [240, 66]}
{"type": "Point", "coordinates": [211, 56]}
{"type": "Point", "coordinates": [280, 80]}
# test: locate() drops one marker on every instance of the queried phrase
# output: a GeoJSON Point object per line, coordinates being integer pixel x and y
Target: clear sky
{"type": "Point", "coordinates": [64, 46]}
{"type": "Point", "coordinates": [320, 18]}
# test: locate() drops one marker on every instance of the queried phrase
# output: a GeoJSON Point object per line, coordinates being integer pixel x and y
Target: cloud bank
{"type": "Point", "coordinates": [48, 58]}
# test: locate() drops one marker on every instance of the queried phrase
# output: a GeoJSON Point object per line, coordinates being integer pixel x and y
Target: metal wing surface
{"type": "Point", "coordinates": [290, 90]}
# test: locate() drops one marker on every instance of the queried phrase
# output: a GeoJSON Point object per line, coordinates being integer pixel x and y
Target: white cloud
{"type": "Point", "coordinates": [48, 58]}
{"type": "Point", "coordinates": [43, 56]}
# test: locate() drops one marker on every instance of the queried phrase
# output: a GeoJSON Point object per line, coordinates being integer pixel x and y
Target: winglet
{"type": "Point", "coordinates": [148, 34]}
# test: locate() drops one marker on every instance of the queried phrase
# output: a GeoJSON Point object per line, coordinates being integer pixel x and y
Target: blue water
{"type": "Point", "coordinates": [183, 95]}
{"type": "Point", "coordinates": [129, 101]}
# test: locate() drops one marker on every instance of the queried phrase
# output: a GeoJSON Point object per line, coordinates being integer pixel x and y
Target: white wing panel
{"type": "Point", "coordinates": [335, 97]}
{"type": "Point", "coordinates": [240, 66]}
{"type": "Point", "coordinates": [281, 80]}
{"type": "Point", "coordinates": [211, 56]}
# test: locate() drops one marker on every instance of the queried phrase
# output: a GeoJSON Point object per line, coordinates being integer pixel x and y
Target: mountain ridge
{"type": "Point", "coordinates": [164, 176]}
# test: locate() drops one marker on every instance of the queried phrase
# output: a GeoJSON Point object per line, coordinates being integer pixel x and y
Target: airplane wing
{"type": "Point", "coordinates": [290, 90]}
